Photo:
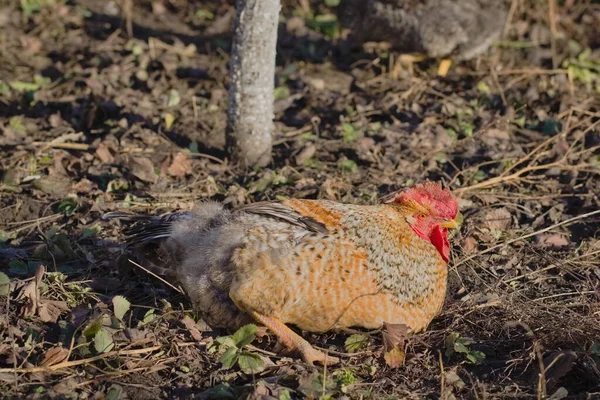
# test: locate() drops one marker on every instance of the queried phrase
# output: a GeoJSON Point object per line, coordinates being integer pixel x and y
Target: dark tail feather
{"type": "Point", "coordinates": [147, 228]}
{"type": "Point", "coordinates": [143, 234]}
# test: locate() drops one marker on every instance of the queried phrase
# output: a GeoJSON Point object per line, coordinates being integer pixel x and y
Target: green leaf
{"type": "Point", "coordinates": [148, 317]}
{"type": "Point", "coordinates": [103, 341]}
{"type": "Point", "coordinates": [479, 175]}
{"type": "Point", "coordinates": [459, 347]}
{"type": "Point", "coordinates": [16, 123]}
{"type": "Point", "coordinates": [324, 23]}
{"type": "Point", "coordinates": [476, 356]}
{"type": "Point", "coordinates": [224, 342]}
{"type": "Point", "coordinates": [449, 343]}
{"type": "Point", "coordinates": [308, 135]}
{"type": "Point", "coordinates": [332, 3]}
{"type": "Point", "coordinates": [285, 395]}
{"type": "Point", "coordinates": [223, 391]}
{"type": "Point", "coordinates": [68, 205]}
{"type": "Point", "coordinates": [551, 127]}
{"type": "Point", "coordinates": [90, 232]}
{"type": "Point", "coordinates": [267, 181]}
{"type": "Point", "coordinates": [452, 134]}
{"type": "Point", "coordinates": [166, 305]}
{"type": "Point", "coordinates": [229, 358]}
{"type": "Point", "coordinates": [349, 133]}
{"type": "Point", "coordinates": [440, 157]}
{"type": "Point", "coordinates": [4, 284]}
{"type": "Point", "coordinates": [18, 267]}
{"type": "Point", "coordinates": [4, 89]}
{"type": "Point", "coordinates": [120, 306]}
{"type": "Point", "coordinates": [356, 342]}
{"type": "Point", "coordinates": [245, 335]}
{"type": "Point", "coordinates": [347, 165]}
{"type": "Point", "coordinates": [5, 236]}
{"type": "Point", "coordinates": [204, 14]}
{"type": "Point", "coordinates": [483, 87]}
{"type": "Point", "coordinates": [467, 128]}
{"type": "Point", "coordinates": [281, 92]}
{"type": "Point", "coordinates": [115, 392]}
{"type": "Point", "coordinates": [250, 363]}
{"type": "Point", "coordinates": [185, 369]}
{"type": "Point", "coordinates": [137, 50]}
{"type": "Point", "coordinates": [24, 86]}
{"type": "Point", "coordinates": [93, 328]}
{"type": "Point", "coordinates": [38, 82]}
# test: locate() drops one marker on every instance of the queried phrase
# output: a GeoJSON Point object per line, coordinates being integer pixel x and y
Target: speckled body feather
{"type": "Point", "coordinates": [368, 269]}
{"type": "Point", "coordinates": [319, 265]}
{"type": "Point", "coordinates": [439, 28]}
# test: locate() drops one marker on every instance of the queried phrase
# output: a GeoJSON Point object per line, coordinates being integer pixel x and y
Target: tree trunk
{"type": "Point", "coordinates": [252, 80]}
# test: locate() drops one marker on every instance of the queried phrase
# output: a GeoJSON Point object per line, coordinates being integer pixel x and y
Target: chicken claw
{"type": "Point", "coordinates": [293, 341]}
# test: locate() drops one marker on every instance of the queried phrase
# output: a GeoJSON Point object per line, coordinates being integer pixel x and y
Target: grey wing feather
{"type": "Point", "coordinates": [284, 213]}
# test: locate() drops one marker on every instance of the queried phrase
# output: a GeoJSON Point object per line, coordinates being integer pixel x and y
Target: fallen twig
{"type": "Point", "coordinates": [549, 228]}
{"type": "Point", "coordinates": [68, 364]}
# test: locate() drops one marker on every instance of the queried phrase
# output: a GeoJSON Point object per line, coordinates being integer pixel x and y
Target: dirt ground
{"type": "Point", "coordinates": [94, 120]}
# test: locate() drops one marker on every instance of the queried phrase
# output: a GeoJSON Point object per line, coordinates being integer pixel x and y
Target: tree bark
{"type": "Point", "coordinates": [252, 80]}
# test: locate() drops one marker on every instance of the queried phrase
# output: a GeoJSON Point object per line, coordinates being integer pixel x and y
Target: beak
{"type": "Point", "coordinates": [449, 224]}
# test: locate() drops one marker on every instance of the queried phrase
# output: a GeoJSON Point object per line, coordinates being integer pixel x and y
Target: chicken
{"type": "Point", "coordinates": [463, 29]}
{"type": "Point", "coordinates": [316, 264]}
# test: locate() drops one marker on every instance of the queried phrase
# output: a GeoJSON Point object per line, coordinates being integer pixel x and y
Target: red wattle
{"type": "Point", "coordinates": [439, 238]}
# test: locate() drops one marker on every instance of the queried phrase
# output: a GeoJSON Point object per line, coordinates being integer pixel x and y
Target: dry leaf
{"type": "Point", "coordinates": [181, 165]}
{"type": "Point", "coordinates": [31, 297]}
{"type": "Point", "coordinates": [307, 152]}
{"type": "Point", "coordinates": [192, 328]}
{"type": "Point", "coordinates": [50, 310]}
{"type": "Point", "coordinates": [66, 386]}
{"type": "Point", "coordinates": [222, 23]}
{"type": "Point", "coordinates": [553, 240]}
{"type": "Point", "coordinates": [561, 363]}
{"type": "Point", "coordinates": [103, 153]}
{"type": "Point", "coordinates": [78, 315]}
{"type": "Point", "coordinates": [469, 245]}
{"type": "Point", "coordinates": [143, 169]}
{"type": "Point", "coordinates": [83, 186]}
{"type": "Point", "coordinates": [394, 358]}
{"type": "Point", "coordinates": [394, 337]}
{"type": "Point", "coordinates": [31, 45]}
{"type": "Point", "coordinates": [31, 293]}
{"type": "Point", "coordinates": [47, 310]}
{"type": "Point", "coordinates": [55, 355]}
{"type": "Point", "coordinates": [499, 219]}
{"type": "Point", "coordinates": [55, 185]}
{"type": "Point", "coordinates": [334, 188]}
{"type": "Point", "coordinates": [158, 8]}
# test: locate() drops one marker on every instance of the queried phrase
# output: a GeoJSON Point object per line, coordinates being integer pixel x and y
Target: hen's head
{"type": "Point", "coordinates": [430, 211]}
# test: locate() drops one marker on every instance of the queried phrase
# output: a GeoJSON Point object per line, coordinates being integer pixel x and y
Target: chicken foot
{"type": "Point", "coordinates": [293, 341]}
{"type": "Point", "coordinates": [407, 61]}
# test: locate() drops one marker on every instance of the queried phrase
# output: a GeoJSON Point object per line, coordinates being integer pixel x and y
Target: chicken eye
{"type": "Point", "coordinates": [422, 216]}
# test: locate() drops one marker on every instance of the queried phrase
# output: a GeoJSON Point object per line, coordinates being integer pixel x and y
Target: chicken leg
{"type": "Point", "coordinates": [407, 61]}
{"type": "Point", "coordinates": [293, 341]}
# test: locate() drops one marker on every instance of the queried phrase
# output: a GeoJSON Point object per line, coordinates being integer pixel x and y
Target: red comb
{"type": "Point", "coordinates": [430, 194]}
